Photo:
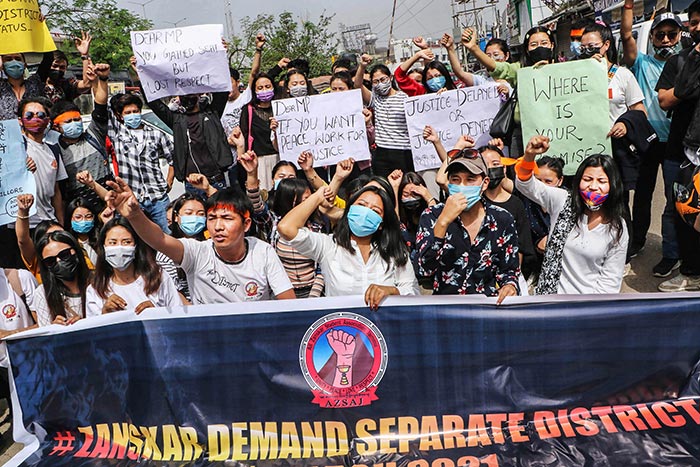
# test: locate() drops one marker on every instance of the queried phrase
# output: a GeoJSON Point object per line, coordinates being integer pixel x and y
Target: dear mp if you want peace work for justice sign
{"type": "Point", "coordinates": [568, 102]}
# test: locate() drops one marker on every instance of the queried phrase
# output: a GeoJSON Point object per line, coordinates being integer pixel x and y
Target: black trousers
{"type": "Point", "coordinates": [644, 192]}
{"type": "Point", "coordinates": [386, 161]}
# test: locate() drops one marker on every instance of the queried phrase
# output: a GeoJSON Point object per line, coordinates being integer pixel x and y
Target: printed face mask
{"type": "Point", "coordinates": [192, 225]}
{"type": "Point", "coordinates": [363, 221]}
{"type": "Point", "coordinates": [82, 227]}
{"type": "Point", "coordinates": [593, 200]}
{"type": "Point", "coordinates": [298, 91]}
{"type": "Point", "coordinates": [472, 193]}
{"type": "Point", "coordinates": [266, 95]}
{"type": "Point", "coordinates": [382, 89]}
{"type": "Point", "coordinates": [132, 120]}
{"type": "Point", "coordinates": [35, 124]}
{"type": "Point", "coordinates": [437, 83]}
{"type": "Point", "coordinates": [667, 52]}
{"type": "Point", "coordinates": [120, 257]}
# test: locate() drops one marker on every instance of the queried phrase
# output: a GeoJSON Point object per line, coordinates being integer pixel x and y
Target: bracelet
{"type": "Point", "coordinates": [22, 217]}
{"type": "Point", "coordinates": [104, 78]}
{"type": "Point", "coordinates": [85, 57]}
{"type": "Point", "coordinates": [258, 49]}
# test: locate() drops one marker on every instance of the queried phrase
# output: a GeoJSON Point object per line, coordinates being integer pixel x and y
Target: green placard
{"type": "Point", "coordinates": [569, 103]}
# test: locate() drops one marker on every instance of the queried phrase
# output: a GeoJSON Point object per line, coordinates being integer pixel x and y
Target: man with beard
{"type": "Point", "coordinates": [665, 37]}
{"type": "Point", "coordinates": [681, 105]}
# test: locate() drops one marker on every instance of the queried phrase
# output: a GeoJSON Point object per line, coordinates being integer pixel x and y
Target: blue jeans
{"type": "Point", "coordinates": [156, 211]}
{"type": "Point", "coordinates": [669, 242]}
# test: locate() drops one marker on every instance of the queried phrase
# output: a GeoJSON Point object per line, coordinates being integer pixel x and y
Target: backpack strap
{"type": "Point", "coordinates": [13, 278]}
{"type": "Point", "coordinates": [96, 144]}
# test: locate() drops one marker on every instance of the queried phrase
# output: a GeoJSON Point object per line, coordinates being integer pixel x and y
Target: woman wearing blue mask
{"type": "Point", "coordinates": [83, 225]}
{"type": "Point", "coordinates": [468, 245]}
{"type": "Point", "coordinates": [365, 254]}
{"type": "Point", "coordinates": [435, 75]}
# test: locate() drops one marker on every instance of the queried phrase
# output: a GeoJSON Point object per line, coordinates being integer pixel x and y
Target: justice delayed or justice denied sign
{"type": "Point", "coordinates": [424, 382]}
{"type": "Point", "coordinates": [15, 178]}
{"type": "Point", "coordinates": [22, 28]}
{"type": "Point", "coordinates": [181, 61]}
{"type": "Point", "coordinates": [467, 111]}
{"type": "Point", "coordinates": [330, 125]}
{"type": "Point", "coordinates": [568, 102]}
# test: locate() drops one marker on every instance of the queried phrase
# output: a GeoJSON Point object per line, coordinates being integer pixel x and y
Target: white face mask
{"type": "Point", "coordinates": [120, 257]}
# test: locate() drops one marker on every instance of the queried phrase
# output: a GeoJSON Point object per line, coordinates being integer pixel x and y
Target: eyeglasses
{"type": "Point", "coordinates": [382, 80]}
{"type": "Point", "coordinates": [467, 153]}
{"type": "Point", "coordinates": [497, 56]}
{"type": "Point", "coordinates": [593, 49]}
{"type": "Point", "coordinates": [63, 255]}
{"type": "Point", "coordinates": [660, 35]}
{"type": "Point", "coordinates": [30, 115]}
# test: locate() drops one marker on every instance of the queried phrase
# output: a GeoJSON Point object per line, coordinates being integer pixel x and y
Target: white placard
{"type": "Point", "coordinates": [15, 178]}
{"type": "Point", "coordinates": [180, 61]}
{"type": "Point", "coordinates": [330, 125]}
{"type": "Point", "coordinates": [466, 111]}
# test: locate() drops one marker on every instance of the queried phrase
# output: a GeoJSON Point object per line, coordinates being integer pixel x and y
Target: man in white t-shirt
{"type": "Point", "coordinates": [226, 268]}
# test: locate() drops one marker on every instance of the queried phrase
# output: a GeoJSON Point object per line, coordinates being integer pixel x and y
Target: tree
{"type": "Point", "coordinates": [286, 37]}
{"type": "Point", "coordinates": [109, 25]}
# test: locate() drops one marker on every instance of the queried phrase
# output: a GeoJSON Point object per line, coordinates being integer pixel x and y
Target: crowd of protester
{"type": "Point", "coordinates": [106, 236]}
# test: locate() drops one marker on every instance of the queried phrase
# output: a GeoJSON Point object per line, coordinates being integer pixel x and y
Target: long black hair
{"type": "Point", "coordinates": [381, 68]}
{"type": "Point", "coordinates": [439, 66]}
{"type": "Point", "coordinates": [613, 208]}
{"type": "Point", "coordinates": [343, 76]}
{"type": "Point", "coordinates": [54, 288]}
{"type": "Point", "coordinates": [255, 100]}
{"type": "Point", "coordinates": [288, 194]}
{"type": "Point", "coordinates": [81, 202]}
{"type": "Point", "coordinates": [525, 56]}
{"type": "Point", "coordinates": [43, 227]}
{"type": "Point", "coordinates": [606, 35]}
{"type": "Point", "coordinates": [410, 218]}
{"type": "Point", "coordinates": [175, 229]}
{"type": "Point", "coordinates": [387, 239]}
{"type": "Point", "coordinates": [288, 77]}
{"type": "Point", "coordinates": [144, 261]}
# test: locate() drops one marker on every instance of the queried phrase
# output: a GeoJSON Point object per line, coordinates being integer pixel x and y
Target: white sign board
{"type": "Point", "coordinates": [15, 178]}
{"type": "Point", "coordinates": [466, 111]}
{"type": "Point", "coordinates": [330, 125]}
{"type": "Point", "coordinates": [180, 61]}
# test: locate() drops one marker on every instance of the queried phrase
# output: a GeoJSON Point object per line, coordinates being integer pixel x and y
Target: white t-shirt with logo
{"type": "Point", "coordinates": [49, 170]}
{"type": "Point", "coordinates": [72, 307]}
{"type": "Point", "coordinates": [258, 276]}
{"type": "Point", "coordinates": [13, 313]}
{"type": "Point", "coordinates": [134, 294]}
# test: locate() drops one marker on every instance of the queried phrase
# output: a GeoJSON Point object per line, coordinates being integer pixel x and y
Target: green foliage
{"type": "Point", "coordinates": [286, 37]}
{"type": "Point", "coordinates": [109, 25]}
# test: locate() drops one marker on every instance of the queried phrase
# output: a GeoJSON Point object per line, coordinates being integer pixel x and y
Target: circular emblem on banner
{"type": "Point", "coordinates": [343, 357]}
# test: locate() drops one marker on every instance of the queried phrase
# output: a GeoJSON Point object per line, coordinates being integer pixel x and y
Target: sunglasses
{"type": "Point", "coordinates": [63, 255]}
{"type": "Point", "coordinates": [659, 35]}
{"type": "Point", "coordinates": [467, 153]}
{"type": "Point", "coordinates": [30, 115]}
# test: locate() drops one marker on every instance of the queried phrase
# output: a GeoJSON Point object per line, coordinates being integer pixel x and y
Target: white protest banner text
{"type": "Point", "coordinates": [180, 61]}
{"type": "Point", "coordinates": [467, 111]}
{"type": "Point", "coordinates": [331, 126]}
{"type": "Point", "coordinates": [15, 178]}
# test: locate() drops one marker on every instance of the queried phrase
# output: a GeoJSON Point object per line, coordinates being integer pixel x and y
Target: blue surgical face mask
{"type": "Point", "coordinates": [471, 192]}
{"type": "Point", "coordinates": [14, 69]}
{"type": "Point", "coordinates": [363, 221]}
{"type": "Point", "coordinates": [72, 130]}
{"type": "Point", "coordinates": [437, 83]}
{"type": "Point", "coordinates": [277, 183]}
{"type": "Point", "coordinates": [82, 227]}
{"type": "Point", "coordinates": [575, 47]}
{"type": "Point", "coordinates": [192, 225]}
{"type": "Point", "coordinates": [132, 120]}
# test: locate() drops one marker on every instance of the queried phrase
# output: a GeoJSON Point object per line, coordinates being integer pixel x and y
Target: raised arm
{"type": "Point", "coordinates": [83, 46]}
{"type": "Point", "coordinates": [24, 239]}
{"type": "Point", "coordinates": [629, 45]}
{"type": "Point", "coordinates": [157, 106]}
{"type": "Point", "coordinates": [365, 60]}
{"type": "Point", "coordinates": [464, 76]}
{"type": "Point", "coordinates": [84, 177]}
{"type": "Point", "coordinates": [257, 58]}
{"type": "Point", "coordinates": [469, 41]}
{"type": "Point", "coordinates": [296, 219]}
{"type": "Point", "coordinates": [123, 200]}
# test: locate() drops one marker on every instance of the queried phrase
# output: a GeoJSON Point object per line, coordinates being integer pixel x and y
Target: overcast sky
{"type": "Point", "coordinates": [430, 18]}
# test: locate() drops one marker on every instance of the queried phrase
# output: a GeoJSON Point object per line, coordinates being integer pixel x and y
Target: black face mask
{"type": "Point", "coordinates": [589, 52]}
{"type": "Point", "coordinates": [411, 205]}
{"type": "Point", "coordinates": [56, 75]}
{"type": "Point", "coordinates": [496, 176]}
{"type": "Point", "coordinates": [66, 270]}
{"type": "Point", "coordinates": [539, 54]}
{"type": "Point", "coordinates": [189, 102]}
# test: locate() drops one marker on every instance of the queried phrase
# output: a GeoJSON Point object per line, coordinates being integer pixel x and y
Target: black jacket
{"type": "Point", "coordinates": [214, 134]}
{"type": "Point", "coordinates": [688, 87]}
{"type": "Point", "coordinates": [631, 148]}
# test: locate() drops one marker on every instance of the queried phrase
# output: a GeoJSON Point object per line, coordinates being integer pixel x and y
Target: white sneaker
{"type": "Point", "coordinates": [680, 283]}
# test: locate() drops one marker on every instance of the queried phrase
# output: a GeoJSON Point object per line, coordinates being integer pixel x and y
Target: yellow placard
{"type": "Point", "coordinates": [21, 29]}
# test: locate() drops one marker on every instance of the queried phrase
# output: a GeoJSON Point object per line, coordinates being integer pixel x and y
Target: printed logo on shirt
{"type": "Point", "coordinates": [343, 357]}
{"type": "Point", "coordinates": [219, 280]}
{"type": "Point", "coordinates": [9, 311]}
{"type": "Point", "coordinates": [54, 164]}
{"type": "Point", "coordinates": [251, 289]}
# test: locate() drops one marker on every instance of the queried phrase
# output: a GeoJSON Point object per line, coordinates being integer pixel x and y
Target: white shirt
{"type": "Point", "coordinates": [48, 172]}
{"type": "Point", "coordinates": [347, 273]}
{"type": "Point", "coordinates": [231, 117]}
{"type": "Point", "coordinates": [13, 313]}
{"type": "Point", "coordinates": [72, 306]}
{"type": "Point", "coordinates": [134, 294]}
{"type": "Point", "coordinates": [257, 276]}
{"type": "Point", "coordinates": [625, 92]}
{"type": "Point", "coordinates": [593, 262]}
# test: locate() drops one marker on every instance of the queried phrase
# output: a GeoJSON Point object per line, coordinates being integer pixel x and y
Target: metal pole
{"type": "Point", "coordinates": [391, 31]}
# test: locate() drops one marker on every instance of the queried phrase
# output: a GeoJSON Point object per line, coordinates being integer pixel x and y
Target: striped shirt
{"type": "Point", "coordinates": [391, 130]}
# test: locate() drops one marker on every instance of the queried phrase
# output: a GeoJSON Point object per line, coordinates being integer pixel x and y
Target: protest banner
{"type": "Point", "coordinates": [567, 102]}
{"type": "Point", "coordinates": [22, 28]}
{"type": "Point", "coordinates": [15, 178]}
{"type": "Point", "coordinates": [466, 111]}
{"type": "Point", "coordinates": [331, 126]}
{"type": "Point", "coordinates": [423, 382]}
{"type": "Point", "coordinates": [180, 61]}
